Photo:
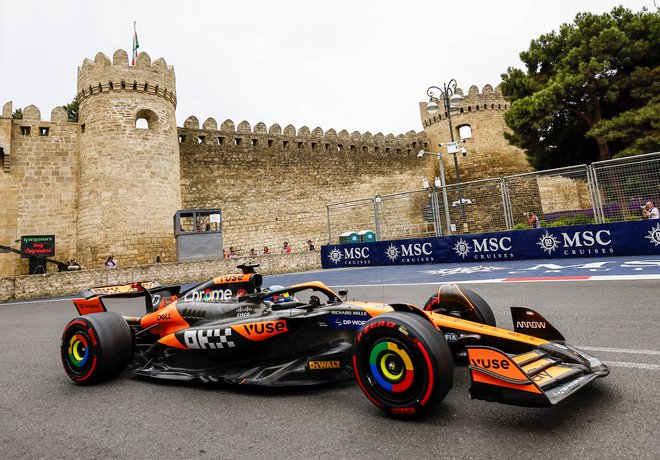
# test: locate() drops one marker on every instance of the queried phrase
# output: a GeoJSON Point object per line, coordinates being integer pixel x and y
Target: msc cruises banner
{"type": "Point", "coordinates": [594, 240]}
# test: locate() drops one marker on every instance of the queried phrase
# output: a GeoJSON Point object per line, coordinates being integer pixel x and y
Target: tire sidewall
{"type": "Point", "coordinates": [110, 346]}
{"type": "Point", "coordinates": [427, 350]}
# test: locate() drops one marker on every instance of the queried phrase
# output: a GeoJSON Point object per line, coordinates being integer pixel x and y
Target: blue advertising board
{"type": "Point", "coordinates": [594, 240]}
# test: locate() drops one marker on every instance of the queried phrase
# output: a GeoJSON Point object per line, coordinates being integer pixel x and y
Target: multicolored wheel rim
{"type": "Point", "coordinates": [391, 366]}
{"type": "Point", "coordinates": [78, 351]}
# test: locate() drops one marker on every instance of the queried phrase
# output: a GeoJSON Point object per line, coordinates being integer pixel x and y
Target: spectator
{"type": "Point", "coordinates": [266, 250]}
{"type": "Point", "coordinates": [207, 228]}
{"type": "Point", "coordinates": [110, 262]}
{"type": "Point", "coordinates": [73, 264]}
{"type": "Point", "coordinates": [311, 245]}
{"type": "Point", "coordinates": [224, 254]}
{"type": "Point", "coordinates": [286, 248]}
{"type": "Point", "coordinates": [533, 220]}
{"type": "Point", "coordinates": [232, 252]}
{"type": "Point", "coordinates": [253, 252]}
{"type": "Point", "coordinates": [650, 212]}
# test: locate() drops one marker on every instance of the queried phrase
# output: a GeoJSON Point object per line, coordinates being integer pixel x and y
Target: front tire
{"type": "Point", "coordinates": [96, 347]}
{"type": "Point", "coordinates": [403, 364]}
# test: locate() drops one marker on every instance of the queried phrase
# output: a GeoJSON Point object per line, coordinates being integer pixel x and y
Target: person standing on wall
{"type": "Point", "coordinates": [649, 211]}
{"type": "Point", "coordinates": [286, 248]}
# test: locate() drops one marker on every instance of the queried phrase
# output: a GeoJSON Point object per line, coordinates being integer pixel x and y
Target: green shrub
{"type": "Point", "coordinates": [572, 220]}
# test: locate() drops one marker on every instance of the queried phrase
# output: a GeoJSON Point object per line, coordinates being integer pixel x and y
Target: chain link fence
{"type": "Point", "coordinates": [605, 191]}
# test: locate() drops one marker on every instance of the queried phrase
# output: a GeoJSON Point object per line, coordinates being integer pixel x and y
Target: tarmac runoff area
{"type": "Point", "coordinates": [616, 319]}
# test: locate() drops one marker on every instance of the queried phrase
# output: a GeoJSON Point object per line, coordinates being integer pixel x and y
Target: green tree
{"type": "Point", "coordinates": [72, 109]}
{"type": "Point", "coordinates": [18, 114]}
{"type": "Point", "coordinates": [589, 92]}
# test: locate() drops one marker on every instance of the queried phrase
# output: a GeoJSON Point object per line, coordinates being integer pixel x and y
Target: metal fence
{"type": "Point", "coordinates": [605, 191]}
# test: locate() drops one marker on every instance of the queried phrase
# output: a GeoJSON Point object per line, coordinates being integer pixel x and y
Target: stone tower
{"type": "Point", "coordinates": [129, 185]}
{"type": "Point", "coordinates": [489, 153]}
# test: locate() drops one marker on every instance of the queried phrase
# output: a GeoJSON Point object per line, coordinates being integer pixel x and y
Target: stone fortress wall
{"type": "Point", "coordinates": [105, 185]}
{"type": "Point", "coordinates": [273, 185]}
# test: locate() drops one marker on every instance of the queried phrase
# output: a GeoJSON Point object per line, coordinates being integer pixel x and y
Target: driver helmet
{"type": "Point", "coordinates": [281, 297]}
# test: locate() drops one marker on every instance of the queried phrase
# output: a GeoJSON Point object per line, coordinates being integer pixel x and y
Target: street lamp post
{"type": "Point", "coordinates": [450, 99]}
{"type": "Point", "coordinates": [439, 183]}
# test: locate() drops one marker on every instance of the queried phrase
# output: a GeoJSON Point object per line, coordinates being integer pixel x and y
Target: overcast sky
{"type": "Point", "coordinates": [357, 65]}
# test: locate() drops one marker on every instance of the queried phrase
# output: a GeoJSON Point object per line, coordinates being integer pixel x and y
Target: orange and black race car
{"type": "Point", "coordinates": [229, 330]}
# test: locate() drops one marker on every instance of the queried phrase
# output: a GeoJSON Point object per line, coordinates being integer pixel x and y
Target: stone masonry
{"type": "Point", "coordinates": [108, 184]}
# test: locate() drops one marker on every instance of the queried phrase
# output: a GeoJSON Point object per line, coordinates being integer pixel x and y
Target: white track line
{"type": "Point", "coordinates": [648, 367]}
{"type": "Point", "coordinates": [620, 350]}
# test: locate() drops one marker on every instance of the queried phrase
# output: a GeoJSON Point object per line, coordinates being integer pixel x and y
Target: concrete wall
{"type": "Point", "coordinates": [70, 283]}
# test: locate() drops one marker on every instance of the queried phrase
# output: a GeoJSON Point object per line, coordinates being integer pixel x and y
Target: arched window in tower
{"type": "Point", "coordinates": [464, 131]}
{"type": "Point", "coordinates": [146, 119]}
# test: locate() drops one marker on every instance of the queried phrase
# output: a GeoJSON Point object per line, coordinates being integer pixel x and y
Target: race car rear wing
{"type": "Point", "coordinates": [155, 296]}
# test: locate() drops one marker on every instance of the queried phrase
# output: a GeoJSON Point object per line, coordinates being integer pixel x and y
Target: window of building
{"type": "Point", "coordinates": [25, 130]}
{"type": "Point", "coordinates": [464, 131]}
{"type": "Point", "coordinates": [237, 141]}
{"type": "Point", "coordinates": [82, 128]}
{"type": "Point", "coordinates": [255, 142]}
{"type": "Point", "coordinates": [285, 144]}
{"type": "Point", "coordinates": [201, 139]}
{"type": "Point", "coordinates": [43, 130]}
{"type": "Point", "coordinates": [182, 139]}
{"type": "Point", "coordinates": [146, 119]}
{"type": "Point", "coordinates": [221, 140]}
{"type": "Point", "coordinates": [270, 143]}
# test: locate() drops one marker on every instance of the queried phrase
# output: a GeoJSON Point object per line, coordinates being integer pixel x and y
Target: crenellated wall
{"type": "Point", "coordinates": [489, 153]}
{"type": "Point", "coordinates": [39, 192]}
{"type": "Point", "coordinates": [108, 184]}
{"type": "Point", "coordinates": [273, 184]}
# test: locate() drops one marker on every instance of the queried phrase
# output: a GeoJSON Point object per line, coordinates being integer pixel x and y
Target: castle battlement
{"type": "Point", "coordinates": [475, 101]}
{"type": "Point", "coordinates": [103, 76]}
{"type": "Point", "coordinates": [260, 135]}
{"type": "Point", "coordinates": [32, 115]}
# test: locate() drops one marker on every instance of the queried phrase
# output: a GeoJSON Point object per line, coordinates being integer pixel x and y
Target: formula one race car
{"type": "Point", "coordinates": [229, 330]}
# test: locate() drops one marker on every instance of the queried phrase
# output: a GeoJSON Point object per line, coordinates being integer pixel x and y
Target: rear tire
{"type": "Point", "coordinates": [96, 347]}
{"type": "Point", "coordinates": [403, 364]}
{"type": "Point", "coordinates": [453, 300]}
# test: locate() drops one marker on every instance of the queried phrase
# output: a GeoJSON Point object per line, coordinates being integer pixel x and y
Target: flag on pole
{"type": "Point", "coordinates": [136, 44]}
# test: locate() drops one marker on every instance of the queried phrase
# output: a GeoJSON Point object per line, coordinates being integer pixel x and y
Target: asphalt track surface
{"type": "Point", "coordinates": [44, 415]}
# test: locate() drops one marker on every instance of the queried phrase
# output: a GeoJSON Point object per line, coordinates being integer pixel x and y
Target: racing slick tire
{"type": "Point", "coordinates": [403, 364]}
{"type": "Point", "coordinates": [453, 300]}
{"type": "Point", "coordinates": [96, 347]}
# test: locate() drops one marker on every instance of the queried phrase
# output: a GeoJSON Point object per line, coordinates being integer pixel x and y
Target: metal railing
{"type": "Point", "coordinates": [605, 191]}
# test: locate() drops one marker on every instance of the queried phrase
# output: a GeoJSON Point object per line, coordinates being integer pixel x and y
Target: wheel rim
{"type": "Point", "coordinates": [392, 371]}
{"type": "Point", "coordinates": [78, 352]}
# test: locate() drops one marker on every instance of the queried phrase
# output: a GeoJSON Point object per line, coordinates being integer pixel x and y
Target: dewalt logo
{"type": "Point", "coordinates": [318, 365]}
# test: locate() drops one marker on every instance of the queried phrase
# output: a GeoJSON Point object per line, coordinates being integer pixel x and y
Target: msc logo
{"type": "Point", "coordinates": [411, 250]}
{"type": "Point", "coordinates": [585, 241]}
{"type": "Point", "coordinates": [320, 365]}
{"type": "Point", "coordinates": [654, 236]}
{"type": "Point", "coordinates": [351, 256]}
{"type": "Point", "coordinates": [485, 248]}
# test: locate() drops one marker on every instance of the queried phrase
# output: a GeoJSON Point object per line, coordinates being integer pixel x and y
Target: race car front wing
{"type": "Point", "coordinates": [538, 378]}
